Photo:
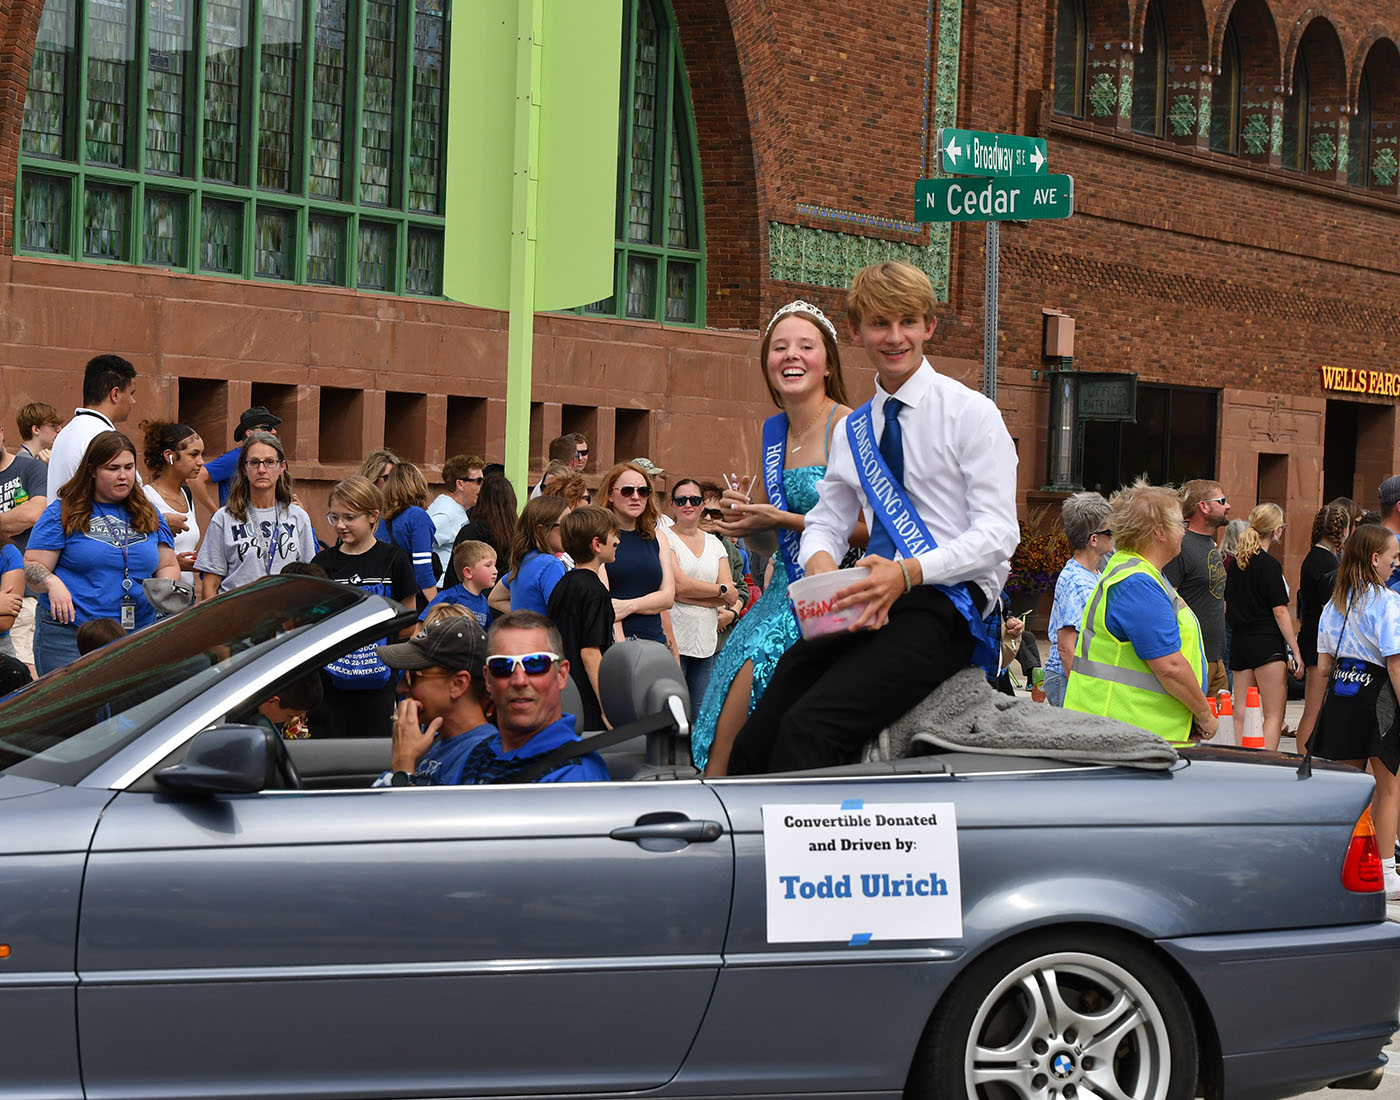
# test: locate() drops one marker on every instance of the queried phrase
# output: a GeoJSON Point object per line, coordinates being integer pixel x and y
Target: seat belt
{"type": "Point", "coordinates": [662, 722]}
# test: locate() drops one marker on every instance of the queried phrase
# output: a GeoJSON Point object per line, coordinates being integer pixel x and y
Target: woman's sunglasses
{"type": "Point", "coordinates": [534, 664]}
{"type": "Point", "coordinates": [694, 502]}
{"type": "Point", "coordinates": [642, 491]}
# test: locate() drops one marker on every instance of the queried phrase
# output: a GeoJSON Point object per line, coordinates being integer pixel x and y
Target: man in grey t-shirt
{"type": "Point", "coordinates": [1198, 572]}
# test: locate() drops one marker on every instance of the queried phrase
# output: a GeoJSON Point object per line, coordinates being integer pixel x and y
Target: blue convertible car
{"type": "Point", "coordinates": [192, 907]}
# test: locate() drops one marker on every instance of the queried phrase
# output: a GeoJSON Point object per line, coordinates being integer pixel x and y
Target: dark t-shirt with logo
{"type": "Point", "coordinates": [1198, 573]}
{"type": "Point", "coordinates": [21, 480]}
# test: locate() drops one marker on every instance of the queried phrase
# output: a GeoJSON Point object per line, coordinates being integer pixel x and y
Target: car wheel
{"type": "Point", "coordinates": [1070, 1017]}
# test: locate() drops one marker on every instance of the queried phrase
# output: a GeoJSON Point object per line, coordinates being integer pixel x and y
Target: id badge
{"type": "Point", "coordinates": [128, 613]}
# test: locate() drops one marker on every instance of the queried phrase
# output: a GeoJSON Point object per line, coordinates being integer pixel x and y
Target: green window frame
{"type": "Point", "coordinates": [659, 254]}
{"type": "Point", "coordinates": [245, 138]}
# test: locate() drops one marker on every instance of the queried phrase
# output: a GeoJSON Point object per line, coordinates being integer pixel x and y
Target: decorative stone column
{"type": "Point", "coordinates": [1188, 107]}
{"type": "Point", "coordinates": [1261, 129]}
{"type": "Point", "coordinates": [1328, 146]}
{"type": "Point", "coordinates": [1385, 161]}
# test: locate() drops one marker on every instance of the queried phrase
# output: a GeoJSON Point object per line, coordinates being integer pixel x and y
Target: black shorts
{"type": "Point", "coordinates": [1254, 650]}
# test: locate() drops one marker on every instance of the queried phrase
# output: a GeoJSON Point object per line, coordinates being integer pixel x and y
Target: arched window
{"type": "Point", "coordinates": [1150, 75]}
{"type": "Point", "coordinates": [1359, 138]}
{"type": "Point", "coordinates": [1069, 58]}
{"type": "Point", "coordinates": [1295, 119]}
{"type": "Point", "coordinates": [659, 272]}
{"type": "Point", "coordinates": [292, 140]}
{"type": "Point", "coordinates": [1225, 96]}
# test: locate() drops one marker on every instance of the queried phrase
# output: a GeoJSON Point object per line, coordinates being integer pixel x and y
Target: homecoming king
{"type": "Point", "coordinates": [931, 467]}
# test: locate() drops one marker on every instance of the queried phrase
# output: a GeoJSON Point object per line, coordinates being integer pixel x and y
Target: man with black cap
{"type": "Point", "coordinates": [1390, 518]}
{"type": "Point", "coordinates": [220, 471]}
{"type": "Point", "coordinates": [441, 716]}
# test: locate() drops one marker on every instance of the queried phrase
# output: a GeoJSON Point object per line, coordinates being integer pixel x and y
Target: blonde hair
{"type": "Point", "coordinates": [890, 290]}
{"type": "Point", "coordinates": [1139, 510]}
{"type": "Point", "coordinates": [468, 553]}
{"type": "Point", "coordinates": [1355, 574]}
{"type": "Point", "coordinates": [440, 611]}
{"type": "Point", "coordinates": [357, 493]}
{"type": "Point", "coordinates": [1264, 521]}
{"type": "Point", "coordinates": [405, 486]}
{"type": "Point", "coordinates": [375, 461]}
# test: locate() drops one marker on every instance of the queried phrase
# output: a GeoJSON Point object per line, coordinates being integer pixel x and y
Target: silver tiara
{"type": "Point", "coordinates": [800, 306]}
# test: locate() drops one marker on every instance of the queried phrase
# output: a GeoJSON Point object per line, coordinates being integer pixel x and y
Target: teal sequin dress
{"type": "Point", "coordinates": [763, 635]}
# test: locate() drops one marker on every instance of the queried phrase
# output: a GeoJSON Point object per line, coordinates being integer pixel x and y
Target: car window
{"type": "Point", "coordinates": [70, 721]}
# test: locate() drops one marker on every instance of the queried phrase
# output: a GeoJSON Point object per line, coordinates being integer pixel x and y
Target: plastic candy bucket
{"type": "Point", "coordinates": [813, 596]}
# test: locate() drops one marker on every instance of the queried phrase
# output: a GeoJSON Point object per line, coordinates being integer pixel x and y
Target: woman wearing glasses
{"type": "Point", "coordinates": [260, 529]}
{"type": "Point", "coordinates": [641, 578]}
{"type": "Point", "coordinates": [1263, 646]}
{"type": "Point", "coordinates": [705, 596]}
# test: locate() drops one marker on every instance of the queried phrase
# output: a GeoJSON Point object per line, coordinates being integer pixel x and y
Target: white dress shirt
{"type": "Point", "coordinates": [71, 444]}
{"type": "Point", "coordinates": [448, 518]}
{"type": "Point", "coordinates": [959, 473]}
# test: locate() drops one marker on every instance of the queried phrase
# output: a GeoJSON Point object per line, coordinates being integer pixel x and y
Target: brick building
{"type": "Point", "coordinates": [245, 199]}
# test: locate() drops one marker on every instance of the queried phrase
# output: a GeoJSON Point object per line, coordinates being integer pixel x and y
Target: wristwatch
{"type": "Point", "coordinates": [723, 589]}
{"type": "Point", "coordinates": [401, 779]}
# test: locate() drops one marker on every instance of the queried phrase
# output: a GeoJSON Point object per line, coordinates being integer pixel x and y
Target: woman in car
{"type": "Point", "coordinates": [641, 577]}
{"type": "Point", "coordinates": [1139, 657]}
{"type": "Point", "coordinates": [91, 549]}
{"type": "Point", "coordinates": [261, 529]}
{"type": "Point", "coordinates": [407, 525]}
{"type": "Point", "coordinates": [1358, 652]}
{"type": "Point", "coordinates": [1263, 645]}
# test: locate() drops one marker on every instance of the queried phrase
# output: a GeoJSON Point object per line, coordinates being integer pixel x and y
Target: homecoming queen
{"type": "Point", "coordinates": [802, 369]}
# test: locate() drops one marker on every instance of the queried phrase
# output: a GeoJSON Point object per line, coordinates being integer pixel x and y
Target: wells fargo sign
{"type": "Point", "coordinates": [1351, 380]}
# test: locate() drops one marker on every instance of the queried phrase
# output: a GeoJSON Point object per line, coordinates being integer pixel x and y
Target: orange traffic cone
{"type": "Point", "coordinates": [1225, 722]}
{"type": "Point", "coordinates": [1253, 721]}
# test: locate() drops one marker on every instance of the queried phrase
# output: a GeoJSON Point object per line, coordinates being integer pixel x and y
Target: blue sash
{"type": "Point", "coordinates": [774, 454]}
{"type": "Point", "coordinates": [909, 534]}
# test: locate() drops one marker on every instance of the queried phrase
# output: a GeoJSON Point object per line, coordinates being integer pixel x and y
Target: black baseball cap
{"type": "Point", "coordinates": [456, 644]}
{"type": "Point", "coordinates": [1390, 490]}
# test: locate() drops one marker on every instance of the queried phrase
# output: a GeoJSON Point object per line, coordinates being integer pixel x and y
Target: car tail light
{"type": "Point", "coordinates": [1361, 869]}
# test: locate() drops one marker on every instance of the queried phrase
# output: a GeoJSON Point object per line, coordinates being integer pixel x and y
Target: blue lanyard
{"type": "Point", "coordinates": [125, 545]}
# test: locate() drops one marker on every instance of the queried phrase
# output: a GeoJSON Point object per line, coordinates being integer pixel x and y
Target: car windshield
{"type": "Point", "coordinates": [66, 724]}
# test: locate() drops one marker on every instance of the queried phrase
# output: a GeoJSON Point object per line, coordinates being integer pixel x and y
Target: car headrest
{"type": "Point", "coordinates": [637, 679]}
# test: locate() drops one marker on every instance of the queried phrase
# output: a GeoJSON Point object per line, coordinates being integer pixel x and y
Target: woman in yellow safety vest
{"type": "Point", "coordinates": [1139, 657]}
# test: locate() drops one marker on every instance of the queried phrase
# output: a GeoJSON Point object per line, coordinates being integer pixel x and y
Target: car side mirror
{"type": "Point", "coordinates": [227, 759]}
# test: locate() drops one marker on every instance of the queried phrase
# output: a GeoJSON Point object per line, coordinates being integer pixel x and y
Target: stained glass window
{"type": "Point", "coordinates": [328, 98]}
{"type": "Point", "coordinates": [224, 34]}
{"type": "Point", "coordinates": [272, 253]}
{"type": "Point", "coordinates": [325, 243]}
{"type": "Point", "coordinates": [106, 215]}
{"type": "Point", "coordinates": [426, 134]}
{"type": "Point", "coordinates": [1150, 75]}
{"type": "Point", "coordinates": [424, 261]}
{"type": "Point", "coordinates": [376, 260]}
{"type": "Point", "coordinates": [164, 238]}
{"type": "Point", "coordinates": [45, 106]}
{"type": "Point", "coordinates": [281, 39]}
{"type": "Point", "coordinates": [109, 43]}
{"type": "Point", "coordinates": [1225, 95]}
{"type": "Point", "coordinates": [43, 213]}
{"type": "Point", "coordinates": [1069, 58]}
{"type": "Point", "coordinates": [644, 95]}
{"type": "Point", "coordinates": [377, 113]}
{"type": "Point", "coordinates": [1359, 136]}
{"type": "Point", "coordinates": [221, 237]}
{"type": "Point", "coordinates": [167, 26]}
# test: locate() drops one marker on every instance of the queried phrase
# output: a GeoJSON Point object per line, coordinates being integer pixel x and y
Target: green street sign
{"type": "Point", "coordinates": [976, 153]}
{"type": "Point", "coordinates": [1030, 198]}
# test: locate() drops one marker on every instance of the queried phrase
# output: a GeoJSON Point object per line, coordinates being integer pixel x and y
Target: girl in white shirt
{"type": "Point", "coordinates": [174, 455]}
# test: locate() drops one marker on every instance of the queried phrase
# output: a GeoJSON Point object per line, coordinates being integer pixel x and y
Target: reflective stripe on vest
{"type": "Point", "coordinates": [1090, 676]}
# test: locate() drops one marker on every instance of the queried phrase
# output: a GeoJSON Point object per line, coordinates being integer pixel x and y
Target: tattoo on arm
{"type": "Point", "coordinates": [36, 575]}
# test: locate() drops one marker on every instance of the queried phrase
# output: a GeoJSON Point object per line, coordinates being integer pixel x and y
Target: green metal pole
{"type": "Point", "coordinates": [523, 239]}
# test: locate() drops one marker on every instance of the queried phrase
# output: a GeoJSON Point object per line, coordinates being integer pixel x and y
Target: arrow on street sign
{"type": "Point", "coordinates": [1029, 198]}
{"type": "Point", "coordinates": [978, 153]}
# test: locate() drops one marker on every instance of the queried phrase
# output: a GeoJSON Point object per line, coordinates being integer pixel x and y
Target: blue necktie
{"type": "Point", "coordinates": [892, 451]}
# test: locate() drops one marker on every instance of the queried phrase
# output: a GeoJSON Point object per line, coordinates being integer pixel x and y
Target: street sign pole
{"type": "Point", "coordinates": [991, 310]}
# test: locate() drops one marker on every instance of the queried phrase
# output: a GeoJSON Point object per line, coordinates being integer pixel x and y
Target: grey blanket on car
{"type": "Point", "coordinates": [967, 714]}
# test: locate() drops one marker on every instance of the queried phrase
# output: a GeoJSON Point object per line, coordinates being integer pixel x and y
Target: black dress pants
{"type": "Point", "coordinates": [829, 697]}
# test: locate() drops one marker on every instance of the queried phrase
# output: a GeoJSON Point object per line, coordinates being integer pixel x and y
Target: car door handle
{"type": "Point", "coordinates": [682, 830]}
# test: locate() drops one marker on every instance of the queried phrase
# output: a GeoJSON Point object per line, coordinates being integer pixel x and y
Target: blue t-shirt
{"type": "Point", "coordinates": [488, 761]}
{"type": "Point", "coordinates": [443, 762]}
{"type": "Point", "coordinates": [90, 563]}
{"type": "Point", "coordinates": [473, 601]}
{"type": "Point", "coordinates": [10, 559]}
{"type": "Point", "coordinates": [1072, 591]}
{"type": "Point", "coordinates": [412, 532]}
{"type": "Point", "coordinates": [537, 576]}
{"type": "Point", "coordinates": [221, 472]}
{"type": "Point", "coordinates": [1372, 627]}
{"type": "Point", "coordinates": [1140, 611]}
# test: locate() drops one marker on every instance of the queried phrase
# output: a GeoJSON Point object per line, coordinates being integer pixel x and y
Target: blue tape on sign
{"type": "Point", "coordinates": [853, 804]}
{"type": "Point", "coordinates": [860, 939]}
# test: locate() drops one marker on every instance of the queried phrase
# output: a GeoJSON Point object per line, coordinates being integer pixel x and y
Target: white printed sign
{"type": "Point", "coordinates": [858, 873]}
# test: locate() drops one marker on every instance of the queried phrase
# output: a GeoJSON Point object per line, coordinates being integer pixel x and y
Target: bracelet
{"type": "Point", "coordinates": [905, 570]}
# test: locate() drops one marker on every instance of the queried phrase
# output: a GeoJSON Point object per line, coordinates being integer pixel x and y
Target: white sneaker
{"type": "Point", "coordinates": [1390, 879]}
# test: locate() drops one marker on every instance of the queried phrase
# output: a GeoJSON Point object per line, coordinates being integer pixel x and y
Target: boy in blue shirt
{"type": "Point", "coordinates": [476, 565]}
